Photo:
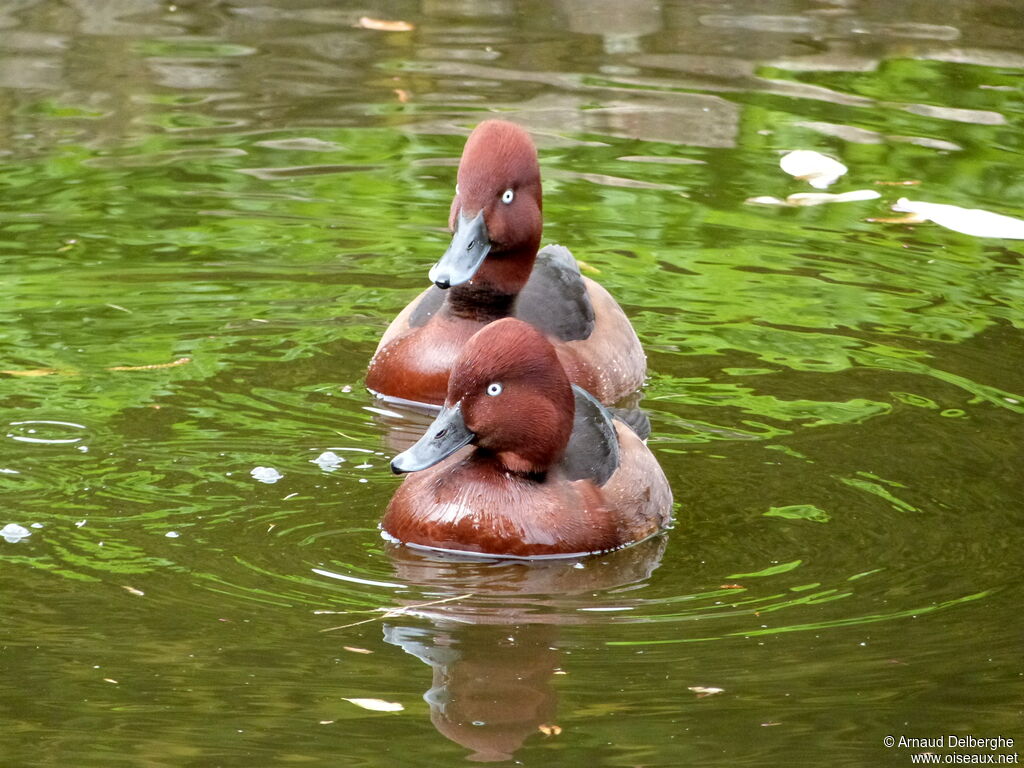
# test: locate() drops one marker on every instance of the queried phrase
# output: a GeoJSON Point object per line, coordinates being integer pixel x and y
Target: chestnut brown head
{"type": "Point", "coordinates": [509, 396]}
{"type": "Point", "coordinates": [495, 216]}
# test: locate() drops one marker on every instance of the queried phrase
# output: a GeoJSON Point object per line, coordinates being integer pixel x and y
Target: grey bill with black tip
{"type": "Point", "coordinates": [466, 252]}
{"type": "Point", "coordinates": [444, 437]}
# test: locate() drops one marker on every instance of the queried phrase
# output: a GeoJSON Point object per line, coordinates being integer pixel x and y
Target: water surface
{"type": "Point", "coordinates": [209, 212]}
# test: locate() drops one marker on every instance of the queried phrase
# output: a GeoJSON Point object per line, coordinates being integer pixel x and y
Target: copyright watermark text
{"type": "Point", "coordinates": [982, 750]}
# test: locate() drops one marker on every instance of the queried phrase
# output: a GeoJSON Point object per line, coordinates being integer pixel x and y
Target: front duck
{"type": "Point", "coordinates": [492, 270]}
{"type": "Point", "coordinates": [521, 463]}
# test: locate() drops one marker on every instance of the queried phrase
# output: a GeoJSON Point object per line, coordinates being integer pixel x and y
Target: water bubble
{"type": "Point", "coordinates": [14, 533]}
{"type": "Point", "coordinates": [266, 474]}
{"type": "Point", "coordinates": [328, 461]}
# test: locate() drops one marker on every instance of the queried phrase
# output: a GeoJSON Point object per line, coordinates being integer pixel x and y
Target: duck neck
{"type": "Point", "coordinates": [548, 427]}
{"type": "Point", "coordinates": [481, 303]}
{"type": "Point", "coordinates": [507, 463]}
{"type": "Point", "coordinates": [492, 292]}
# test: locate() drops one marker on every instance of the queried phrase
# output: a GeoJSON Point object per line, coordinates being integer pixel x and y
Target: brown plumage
{"type": "Point", "coordinates": [507, 493]}
{"type": "Point", "coordinates": [499, 181]}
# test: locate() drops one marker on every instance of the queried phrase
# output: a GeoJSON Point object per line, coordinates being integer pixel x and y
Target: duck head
{"type": "Point", "coordinates": [509, 396]}
{"type": "Point", "coordinates": [495, 215]}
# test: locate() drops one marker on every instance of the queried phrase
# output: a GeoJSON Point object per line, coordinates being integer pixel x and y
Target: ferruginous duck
{"type": "Point", "coordinates": [492, 269]}
{"type": "Point", "coordinates": [522, 463]}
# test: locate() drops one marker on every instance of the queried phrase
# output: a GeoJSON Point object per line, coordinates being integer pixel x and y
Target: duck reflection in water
{"type": "Point", "coordinates": [495, 651]}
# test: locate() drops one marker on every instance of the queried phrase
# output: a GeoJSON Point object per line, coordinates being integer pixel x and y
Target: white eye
{"type": "Point", "coordinates": [456, 189]}
{"type": "Point", "coordinates": [507, 195]}
{"type": "Point", "coordinates": [494, 389]}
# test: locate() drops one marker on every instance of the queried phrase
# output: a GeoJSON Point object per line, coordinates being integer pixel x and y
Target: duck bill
{"type": "Point", "coordinates": [467, 251]}
{"type": "Point", "coordinates": [444, 437]}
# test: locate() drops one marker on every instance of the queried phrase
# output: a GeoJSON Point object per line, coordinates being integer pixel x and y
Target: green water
{"type": "Point", "coordinates": [251, 191]}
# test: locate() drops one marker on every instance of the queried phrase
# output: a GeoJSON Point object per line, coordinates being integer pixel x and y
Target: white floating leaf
{"type": "Point", "coordinates": [818, 198]}
{"type": "Point", "coordinates": [266, 474]}
{"type": "Point", "coordinates": [816, 169]}
{"type": "Point", "coordinates": [967, 221]}
{"type": "Point", "coordinates": [377, 705]}
{"type": "Point", "coordinates": [13, 533]}
{"type": "Point", "coordinates": [385, 25]}
{"type": "Point", "coordinates": [704, 690]}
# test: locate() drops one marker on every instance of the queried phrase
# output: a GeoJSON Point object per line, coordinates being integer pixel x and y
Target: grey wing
{"type": "Point", "coordinates": [593, 450]}
{"type": "Point", "coordinates": [554, 299]}
{"type": "Point", "coordinates": [634, 418]}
